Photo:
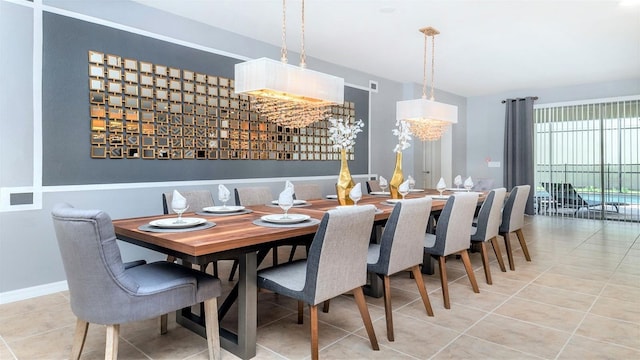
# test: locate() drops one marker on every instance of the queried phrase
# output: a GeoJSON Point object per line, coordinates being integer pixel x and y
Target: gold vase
{"type": "Point", "coordinates": [397, 177]}
{"type": "Point", "coordinates": [345, 182]}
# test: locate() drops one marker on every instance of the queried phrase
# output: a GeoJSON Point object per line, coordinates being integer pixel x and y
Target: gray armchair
{"type": "Point", "coordinates": [105, 291]}
{"type": "Point", "coordinates": [513, 221]}
{"type": "Point", "coordinates": [400, 249]}
{"type": "Point", "coordinates": [337, 263]}
{"type": "Point", "coordinates": [452, 236]}
{"type": "Point", "coordinates": [486, 229]}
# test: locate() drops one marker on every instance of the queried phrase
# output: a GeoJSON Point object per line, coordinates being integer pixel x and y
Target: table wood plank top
{"type": "Point", "coordinates": [238, 231]}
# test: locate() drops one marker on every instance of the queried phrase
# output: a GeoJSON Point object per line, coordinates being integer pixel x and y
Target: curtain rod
{"type": "Point", "coordinates": [533, 97]}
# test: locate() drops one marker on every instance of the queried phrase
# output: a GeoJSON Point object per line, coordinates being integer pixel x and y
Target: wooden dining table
{"type": "Point", "coordinates": [237, 237]}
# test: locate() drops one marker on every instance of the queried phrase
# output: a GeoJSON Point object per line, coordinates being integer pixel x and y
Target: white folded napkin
{"type": "Point", "coordinates": [457, 181]}
{"type": "Point", "coordinates": [356, 192]}
{"type": "Point", "coordinates": [404, 187]}
{"type": "Point", "coordinates": [468, 183]}
{"type": "Point", "coordinates": [289, 185]}
{"type": "Point", "coordinates": [286, 196]}
{"type": "Point", "coordinates": [441, 184]}
{"type": "Point", "coordinates": [223, 193]}
{"type": "Point", "coordinates": [382, 181]}
{"type": "Point", "coordinates": [411, 181]}
{"type": "Point", "coordinates": [178, 201]}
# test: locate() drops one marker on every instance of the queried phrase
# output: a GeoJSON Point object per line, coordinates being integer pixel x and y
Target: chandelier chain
{"type": "Point", "coordinates": [424, 69]}
{"type": "Point", "coordinates": [433, 62]}
{"type": "Point", "coordinates": [303, 54]}
{"type": "Point", "coordinates": [283, 51]}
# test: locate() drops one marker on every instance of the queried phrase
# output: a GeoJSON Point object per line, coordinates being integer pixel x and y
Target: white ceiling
{"type": "Point", "coordinates": [485, 46]}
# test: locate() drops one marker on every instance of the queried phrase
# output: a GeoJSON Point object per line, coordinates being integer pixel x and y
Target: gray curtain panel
{"type": "Point", "coordinates": [518, 146]}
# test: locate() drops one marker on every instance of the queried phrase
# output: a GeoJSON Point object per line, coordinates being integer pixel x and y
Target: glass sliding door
{"type": "Point", "coordinates": [588, 159]}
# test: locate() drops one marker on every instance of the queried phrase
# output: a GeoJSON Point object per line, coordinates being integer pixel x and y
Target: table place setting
{"type": "Point", "coordinates": [179, 224]}
{"type": "Point", "coordinates": [285, 202]}
{"type": "Point", "coordinates": [383, 185]}
{"type": "Point", "coordinates": [332, 197]}
{"type": "Point", "coordinates": [223, 210]}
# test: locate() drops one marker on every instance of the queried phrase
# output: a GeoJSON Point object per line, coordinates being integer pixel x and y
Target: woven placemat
{"type": "Point", "coordinates": [152, 228]}
{"type": "Point", "coordinates": [205, 213]}
{"type": "Point", "coordinates": [309, 222]}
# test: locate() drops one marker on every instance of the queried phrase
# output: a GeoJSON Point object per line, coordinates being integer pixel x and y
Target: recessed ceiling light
{"type": "Point", "coordinates": [387, 10]}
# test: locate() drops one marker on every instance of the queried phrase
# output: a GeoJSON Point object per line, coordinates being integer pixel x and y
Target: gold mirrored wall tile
{"type": "Point", "coordinates": [96, 57]}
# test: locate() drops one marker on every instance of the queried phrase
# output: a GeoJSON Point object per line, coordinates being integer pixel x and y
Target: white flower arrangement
{"type": "Point", "coordinates": [344, 135]}
{"type": "Point", "coordinates": [403, 132]}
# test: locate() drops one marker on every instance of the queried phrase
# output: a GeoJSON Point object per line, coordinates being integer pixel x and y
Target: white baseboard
{"type": "Point", "coordinates": [31, 292]}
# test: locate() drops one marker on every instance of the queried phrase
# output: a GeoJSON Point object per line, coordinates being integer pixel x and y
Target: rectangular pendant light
{"type": "Point", "coordinates": [274, 79]}
{"type": "Point", "coordinates": [423, 109]}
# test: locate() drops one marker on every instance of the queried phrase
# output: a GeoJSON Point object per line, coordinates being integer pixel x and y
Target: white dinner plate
{"type": "Point", "coordinates": [171, 223]}
{"type": "Point", "coordinates": [223, 209]}
{"type": "Point", "coordinates": [280, 219]}
{"type": "Point", "coordinates": [380, 193]}
{"type": "Point", "coordinates": [393, 201]}
{"type": "Point", "coordinates": [438, 197]}
{"type": "Point", "coordinates": [416, 190]}
{"type": "Point", "coordinates": [456, 189]}
{"type": "Point", "coordinates": [332, 197]}
{"type": "Point", "coordinates": [295, 202]}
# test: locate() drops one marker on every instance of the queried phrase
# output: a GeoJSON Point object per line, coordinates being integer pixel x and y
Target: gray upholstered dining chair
{"type": "Point", "coordinates": [259, 195]}
{"type": "Point", "coordinates": [308, 191]}
{"type": "Point", "coordinates": [400, 249]}
{"type": "Point", "coordinates": [513, 221]}
{"type": "Point", "coordinates": [486, 229]}
{"type": "Point", "coordinates": [104, 290]}
{"type": "Point", "coordinates": [337, 263]}
{"type": "Point", "coordinates": [373, 185]}
{"type": "Point", "coordinates": [197, 200]}
{"type": "Point", "coordinates": [453, 231]}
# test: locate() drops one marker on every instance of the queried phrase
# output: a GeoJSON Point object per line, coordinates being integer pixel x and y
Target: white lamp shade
{"type": "Point", "coordinates": [423, 109]}
{"type": "Point", "coordinates": [269, 78]}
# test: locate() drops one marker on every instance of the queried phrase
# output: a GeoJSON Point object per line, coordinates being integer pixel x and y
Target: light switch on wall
{"type": "Point", "coordinates": [495, 164]}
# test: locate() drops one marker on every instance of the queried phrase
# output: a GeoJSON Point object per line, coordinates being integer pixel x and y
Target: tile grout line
{"type": "Point", "coordinates": [490, 312]}
{"type": "Point", "coordinates": [598, 297]}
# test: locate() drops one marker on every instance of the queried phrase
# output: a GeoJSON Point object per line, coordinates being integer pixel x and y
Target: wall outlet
{"type": "Point", "coordinates": [495, 164]}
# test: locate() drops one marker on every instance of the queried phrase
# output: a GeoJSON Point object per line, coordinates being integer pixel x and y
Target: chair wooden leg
{"type": "Point", "coordinates": [388, 311]}
{"type": "Point", "coordinates": [78, 338]}
{"type": "Point", "coordinates": [325, 306]}
{"type": "Point", "coordinates": [300, 312]}
{"type": "Point", "coordinates": [523, 244]}
{"type": "Point", "coordinates": [211, 324]}
{"type": "Point", "coordinates": [496, 250]}
{"type": "Point", "coordinates": [366, 318]}
{"type": "Point", "coordinates": [467, 266]}
{"type": "Point", "coordinates": [163, 323]}
{"type": "Point", "coordinates": [442, 266]}
{"type": "Point", "coordinates": [313, 313]}
{"type": "Point", "coordinates": [233, 270]}
{"type": "Point", "coordinates": [203, 268]}
{"type": "Point", "coordinates": [485, 262]}
{"type": "Point", "coordinates": [111, 349]}
{"type": "Point", "coordinates": [507, 244]}
{"type": "Point", "coordinates": [417, 275]}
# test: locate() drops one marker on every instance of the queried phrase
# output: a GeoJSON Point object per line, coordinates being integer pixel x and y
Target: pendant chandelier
{"type": "Point", "coordinates": [288, 95]}
{"type": "Point", "coordinates": [427, 118]}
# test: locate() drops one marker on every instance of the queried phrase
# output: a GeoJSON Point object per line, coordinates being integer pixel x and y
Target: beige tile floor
{"type": "Point", "coordinates": [578, 299]}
